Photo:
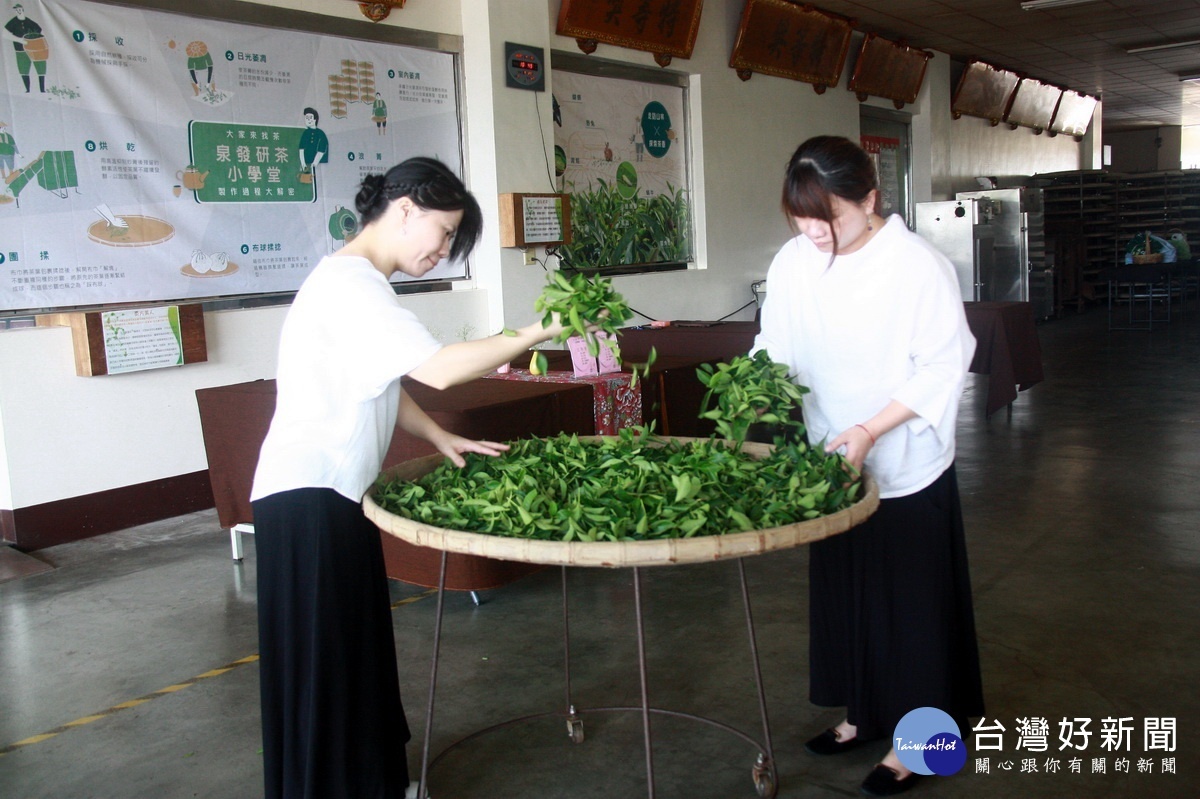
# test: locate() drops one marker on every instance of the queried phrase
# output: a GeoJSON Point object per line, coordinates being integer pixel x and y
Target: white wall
{"type": "Point", "coordinates": [63, 436]}
{"type": "Point", "coordinates": [1147, 149]}
{"type": "Point", "coordinates": [979, 149]}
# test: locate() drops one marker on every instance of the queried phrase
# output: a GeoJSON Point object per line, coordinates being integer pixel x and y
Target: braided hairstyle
{"type": "Point", "coordinates": [432, 187]}
{"type": "Point", "coordinates": [824, 167]}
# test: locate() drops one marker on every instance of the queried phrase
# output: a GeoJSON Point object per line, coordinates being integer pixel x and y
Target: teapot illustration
{"type": "Point", "coordinates": [191, 178]}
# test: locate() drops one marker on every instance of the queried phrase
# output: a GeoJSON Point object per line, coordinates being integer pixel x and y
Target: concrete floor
{"type": "Point", "coordinates": [129, 671]}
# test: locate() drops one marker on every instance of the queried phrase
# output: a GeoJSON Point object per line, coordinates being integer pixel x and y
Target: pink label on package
{"type": "Point", "coordinates": [608, 361]}
{"type": "Point", "coordinates": [581, 360]}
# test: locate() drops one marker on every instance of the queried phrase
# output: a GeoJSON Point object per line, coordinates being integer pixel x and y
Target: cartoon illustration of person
{"type": "Point", "coordinates": [314, 145]}
{"type": "Point", "coordinates": [639, 147]}
{"type": "Point", "coordinates": [200, 59]}
{"type": "Point", "coordinates": [379, 113]}
{"type": "Point", "coordinates": [30, 46]}
{"type": "Point", "coordinates": [8, 151]}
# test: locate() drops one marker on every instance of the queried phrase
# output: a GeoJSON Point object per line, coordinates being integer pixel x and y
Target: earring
{"type": "Point", "coordinates": [870, 223]}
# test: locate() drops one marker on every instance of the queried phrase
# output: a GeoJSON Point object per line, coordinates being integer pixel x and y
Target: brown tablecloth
{"type": "Point", "coordinates": [1006, 349]}
{"type": "Point", "coordinates": [234, 420]}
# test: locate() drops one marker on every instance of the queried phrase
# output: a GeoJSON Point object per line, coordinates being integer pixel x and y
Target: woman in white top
{"type": "Point", "coordinates": [333, 723]}
{"type": "Point", "coordinates": [868, 315]}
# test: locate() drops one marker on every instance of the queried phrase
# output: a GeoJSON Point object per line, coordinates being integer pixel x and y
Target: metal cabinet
{"type": "Point", "coordinates": [1021, 271]}
{"type": "Point", "coordinates": [960, 230]}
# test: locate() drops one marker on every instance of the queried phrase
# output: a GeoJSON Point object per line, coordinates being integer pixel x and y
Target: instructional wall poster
{"type": "Point", "coordinates": [625, 133]}
{"type": "Point", "coordinates": [620, 151]}
{"type": "Point", "coordinates": [149, 156]}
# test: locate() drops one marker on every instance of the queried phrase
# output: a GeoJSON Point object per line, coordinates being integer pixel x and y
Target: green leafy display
{"type": "Point", "coordinates": [630, 487]}
{"type": "Point", "coordinates": [749, 389]}
{"type": "Point", "coordinates": [608, 229]}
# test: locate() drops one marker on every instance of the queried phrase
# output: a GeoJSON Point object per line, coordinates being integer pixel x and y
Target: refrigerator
{"type": "Point", "coordinates": [1021, 272]}
{"type": "Point", "coordinates": [962, 231]}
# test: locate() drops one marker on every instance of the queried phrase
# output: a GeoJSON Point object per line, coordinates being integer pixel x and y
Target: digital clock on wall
{"type": "Point", "coordinates": [524, 67]}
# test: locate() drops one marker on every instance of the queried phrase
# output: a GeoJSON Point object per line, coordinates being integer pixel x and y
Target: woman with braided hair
{"type": "Point", "coordinates": [333, 723]}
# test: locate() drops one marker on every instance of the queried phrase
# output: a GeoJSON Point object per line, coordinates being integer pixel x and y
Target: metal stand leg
{"type": "Point", "coordinates": [574, 723]}
{"type": "Point", "coordinates": [765, 776]}
{"type": "Point", "coordinates": [764, 772]}
{"type": "Point", "coordinates": [433, 669]}
{"type": "Point", "coordinates": [641, 642]}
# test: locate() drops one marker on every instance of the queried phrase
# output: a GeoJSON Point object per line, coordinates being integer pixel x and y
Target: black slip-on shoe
{"type": "Point", "coordinates": [828, 743]}
{"type": "Point", "coordinates": [884, 781]}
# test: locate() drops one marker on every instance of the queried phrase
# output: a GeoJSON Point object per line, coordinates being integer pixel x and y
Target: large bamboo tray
{"type": "Point", "coordinates": [615, 554]}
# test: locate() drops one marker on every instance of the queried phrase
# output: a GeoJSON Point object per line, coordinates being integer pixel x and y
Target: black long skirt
{"type": "Point", "coordinates": [891, 618]}
{"type": "Point", "coordinates": [333, 724]}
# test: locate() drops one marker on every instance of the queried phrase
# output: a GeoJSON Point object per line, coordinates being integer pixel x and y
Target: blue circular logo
{"type": "Point", "coordinates": [928, 741]}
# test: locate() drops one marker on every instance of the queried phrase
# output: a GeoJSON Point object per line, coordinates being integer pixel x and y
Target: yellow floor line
{"type": "Point", "coordinates": [170, 689]}
{"type": "Point", "coordinates": [408, 600]}
{"type": "Point", "coordinates": [123, 706]}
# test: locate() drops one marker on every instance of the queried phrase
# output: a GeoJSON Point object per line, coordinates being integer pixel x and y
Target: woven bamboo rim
{"type": "Point", "coordinates": [614, 554]}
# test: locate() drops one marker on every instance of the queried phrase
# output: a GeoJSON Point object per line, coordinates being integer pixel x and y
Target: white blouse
{"type": "Point", "coordinates": [885, 322]}
{"type": "Point", "coordinates": [345, 344]}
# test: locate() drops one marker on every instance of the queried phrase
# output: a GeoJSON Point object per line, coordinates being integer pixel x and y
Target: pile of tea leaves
{"type": "Point", "coordinates": [631, 487]}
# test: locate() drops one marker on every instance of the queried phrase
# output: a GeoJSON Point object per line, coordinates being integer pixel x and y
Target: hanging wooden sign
{"type": "Point", "coordinates": [888, 69]}
{"type": "Point", "coordinates": [665, 28]}
{"type": "Point", "coordinates": [378, 10]}
{"type": "Point", "coordinates": [984, 91]}
{"type": "Point", "coordinates": [777, 37]}
{"type": "Point", "coordinates": [1074, 114]}
{"type": "Point", "coordinates": [1033, 105]}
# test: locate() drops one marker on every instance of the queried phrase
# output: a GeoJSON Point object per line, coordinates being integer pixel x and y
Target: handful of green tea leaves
{"type": "Point", "coordinates": [585, 306]}
{"type": "Point", "coordinates": [630, 487]}
{"type": "Point", "coordinates": [749, 389]}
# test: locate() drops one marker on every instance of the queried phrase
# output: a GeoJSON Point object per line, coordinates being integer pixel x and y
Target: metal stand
{"type": "Point", "coordinates": [763, 772]}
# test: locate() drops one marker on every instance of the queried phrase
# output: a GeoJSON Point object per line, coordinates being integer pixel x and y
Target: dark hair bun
{"type": "Point", "coordinates": [370, 194]}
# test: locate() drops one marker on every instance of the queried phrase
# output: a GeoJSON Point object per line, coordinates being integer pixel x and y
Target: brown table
{"type": "Point", "coordinates": [617, 401]}
{"type": "Point", "coordinates": [718, 341]}
{"type": "Point", "coordinates": [670, 395]}
{"type": "Point", "coordinates": [234, 420]}
{"type": "Point", "coordinates": [1006, 349]}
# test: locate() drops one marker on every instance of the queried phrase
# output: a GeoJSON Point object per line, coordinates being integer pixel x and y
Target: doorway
{"type": "Point", "coordinates": [886, 136]}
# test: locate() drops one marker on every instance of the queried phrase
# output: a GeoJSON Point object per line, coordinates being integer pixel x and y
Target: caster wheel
{"type": "Point", "coordinates": [575, 730]}
{"type": "Point", "coordinates": [764, 781]}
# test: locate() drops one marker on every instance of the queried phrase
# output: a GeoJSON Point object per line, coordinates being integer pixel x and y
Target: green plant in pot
{"type": "Point", "coordinates": [609, 228]}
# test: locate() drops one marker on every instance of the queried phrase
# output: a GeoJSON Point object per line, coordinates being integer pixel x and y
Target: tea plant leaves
{"type": "Point", "coordinates": [631, 487]}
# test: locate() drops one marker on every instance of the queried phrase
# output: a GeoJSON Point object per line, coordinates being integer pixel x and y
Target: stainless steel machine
{"type": "Point", "coordinates": [1021, 271]}
{"type": "Point", "coordinates": [962, 231]}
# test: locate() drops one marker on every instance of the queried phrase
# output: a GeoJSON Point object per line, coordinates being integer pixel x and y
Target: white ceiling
{"type": "Point", "coordinates": [1081, 47]}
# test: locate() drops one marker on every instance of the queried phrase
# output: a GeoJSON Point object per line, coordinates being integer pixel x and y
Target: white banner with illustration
{"type": "Point", "coordinates": [621, 153]}
{"type": "Point", "coordinates": [149, 156]}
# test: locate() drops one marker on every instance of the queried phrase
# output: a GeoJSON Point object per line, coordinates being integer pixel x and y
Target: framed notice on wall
{"type": "Point", "coordinates": [150, 156]}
